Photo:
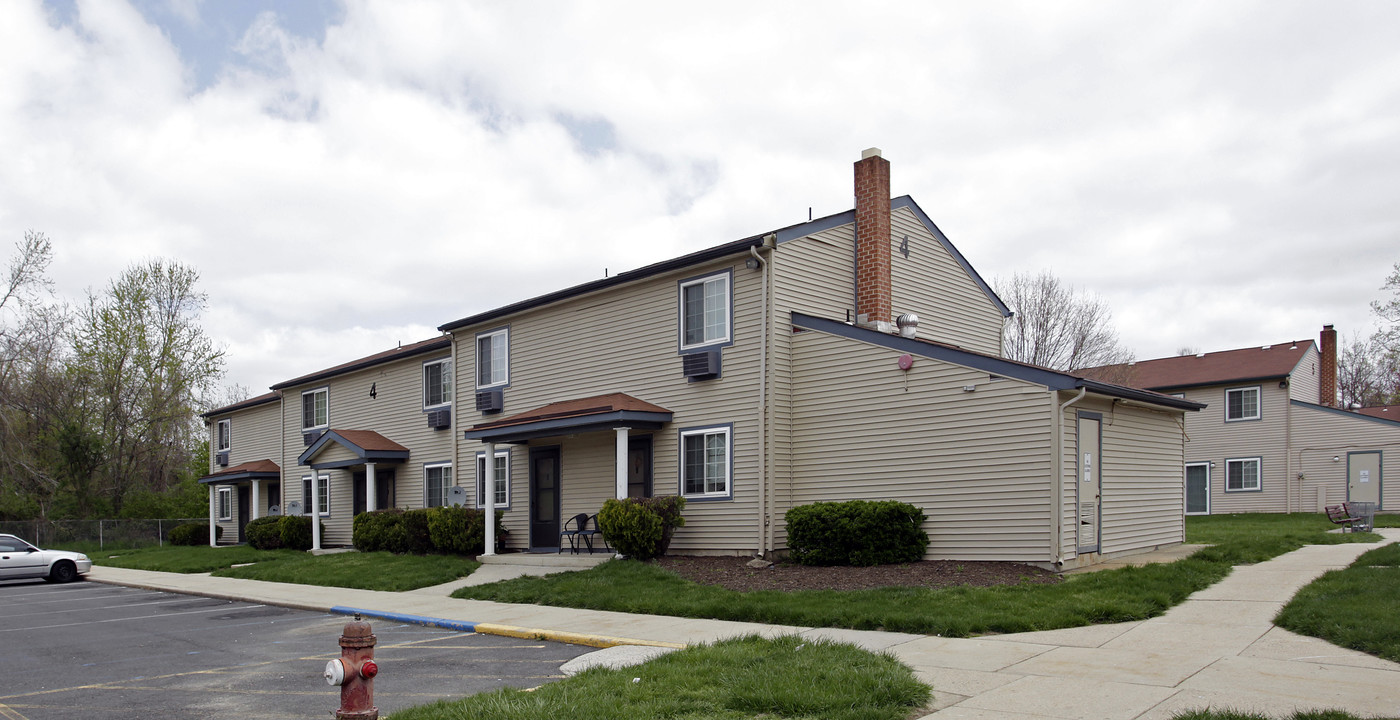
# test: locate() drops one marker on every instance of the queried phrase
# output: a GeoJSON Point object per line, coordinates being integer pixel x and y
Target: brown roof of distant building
{"type": "Point", "coordinates": [1385, 412]}
{"type": "Point", "coordinates": [397, 353]}
{"type": "Point", "coordinates": [582, 407]}
{"type": "Point", "coordinates": [1217, 368]}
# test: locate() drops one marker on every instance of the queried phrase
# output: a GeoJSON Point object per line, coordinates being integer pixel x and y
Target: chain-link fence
{"type": "Point", "coordinates": [104, 534]}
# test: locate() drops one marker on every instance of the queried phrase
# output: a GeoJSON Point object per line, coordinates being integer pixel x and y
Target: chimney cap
{"type": "Point", "coordinates": [870, 152]}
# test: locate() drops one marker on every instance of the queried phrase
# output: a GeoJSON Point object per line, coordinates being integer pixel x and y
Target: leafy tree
{"type": "Point", "coordinates": [1057, 326]}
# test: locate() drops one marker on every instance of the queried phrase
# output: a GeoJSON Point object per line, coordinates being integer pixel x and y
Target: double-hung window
{"type": "Point", "coordinates": [500, 479]}
{"type": "Point", "coordinates": [705, 311]}
{"type": "Point", "coordinates": [315, 409]}
{"type": "Point", "coordinates": [323, 490]}
{"type": "Point", "coordinates": [437, 478]}
{"type": "Point", "coordinates": [1242, 475]}
{"type": "Point", "coordinates": [437, 383]}
{"type": "Point", "coordinates": [493, 358]}
{"type": "Point", "coordinates": [225, 503]}
{"type": "Point", "coordinates": [705, 462]}
{"type": "Point", "coordinates": [225, 435]}
{"type": "Point", "coordinates": [1242, 404]}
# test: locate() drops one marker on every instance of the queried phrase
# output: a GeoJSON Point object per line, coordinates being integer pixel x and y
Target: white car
{"type": "Point", "coordinates": [19, 559]}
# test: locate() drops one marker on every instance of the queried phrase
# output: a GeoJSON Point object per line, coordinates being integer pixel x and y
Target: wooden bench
{"type": "Point", "coordinates": [1339, 516]}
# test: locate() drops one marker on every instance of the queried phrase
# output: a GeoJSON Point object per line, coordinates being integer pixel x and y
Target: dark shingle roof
{"type": "Point", "coordinates": [1217, 368]}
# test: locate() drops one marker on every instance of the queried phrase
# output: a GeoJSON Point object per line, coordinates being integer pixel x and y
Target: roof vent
{"type": "Point", "coordinates": [908, 324]}
{"type": "Point", "coordinates": [1200, 354]}
{"type": "Point", "coordinates": [1266, 347]}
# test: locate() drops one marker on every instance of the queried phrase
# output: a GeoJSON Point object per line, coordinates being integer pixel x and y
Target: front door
{"type": "Point", "coordinates": [383, 490]}
{"type": "Point", "coordinates": [639, 467]}
{"type": "Point", "coordinates": [1364, 477]}
{"type": "Point", "coordinates": [1198, 488]}
{"type": "Point", "coordinates": [544, 498]}
{"type": "Point", "coordinates": [243, 505]}
{"type": "Point", "coordinates": [1090, 486]}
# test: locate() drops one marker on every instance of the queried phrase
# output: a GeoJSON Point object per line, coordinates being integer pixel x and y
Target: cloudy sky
{"type": "Point", "coordinates": [346, 176]}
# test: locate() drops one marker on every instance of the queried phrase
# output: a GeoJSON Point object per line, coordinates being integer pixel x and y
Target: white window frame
{"type": "Point", "coordinates": [1258, 474]}
{"type": "Point", "coordinates": [318, 391]}
{"type": "Point", "coordinates": [225, 503]}
{"type": "Point", "coordinates": [502, 484]}
{"type": "Point", "coordinates": [324, 499]}
{"type": "Point", "coordinates": [504, 379]}
{"type": "Point", "coordinates": [445, 378]}
{"type": "Point", "coordinates": [1258, 403]}
{"type": "Point", "coordinates": [223, 435]}
{"type": "Point", "coordinates": [723, 277]}
{"type": "Point", "coordinates": [727, 492]}
{"type": "Point", "coordinates": [445, 477]}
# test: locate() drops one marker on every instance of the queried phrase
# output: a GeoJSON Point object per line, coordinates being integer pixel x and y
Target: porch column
{"type": "Point", "coordinates": [315, 510]}
{"type": "Point", "coordinates": [621, 462]}
{"type": "Point", "coordinates": [213, 513]}
{"type": "Point", "coordinates": [257, 499]}
{"type": "Point", "coordinates": [488, 496]}
{"type": "Point", "coordinates": [371, 494]}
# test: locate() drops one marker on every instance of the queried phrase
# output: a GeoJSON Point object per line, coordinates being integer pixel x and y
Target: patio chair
{"type": "Point", "coordinates": [1340, 516]}
{"type": "Point", "coordinates": [573, 529]}
{"type": "Point", "coordinates": [588, 534]}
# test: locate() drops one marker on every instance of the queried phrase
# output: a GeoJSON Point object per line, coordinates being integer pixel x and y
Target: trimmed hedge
{"type": "Point", "coordinates": [295, 531]}
{"type": "Point", "coordinates": [857, 532]}
{"type": "Point", "coordinates": [641, 528]}
{"type": "Point", "coordinates": [447, 530]}
{"type": "Point", "coordinates": [264, 533]}
{"type": "Point", "coordinates": [194, 534]}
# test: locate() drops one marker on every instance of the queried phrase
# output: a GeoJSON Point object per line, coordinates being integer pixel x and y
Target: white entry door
{"type": "Point", "coordinates": [1364, 477]}
{"type": "Point", "coordinates": [1090, 484]}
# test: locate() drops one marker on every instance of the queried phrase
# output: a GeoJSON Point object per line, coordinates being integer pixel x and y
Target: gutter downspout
{"type": "Point", "coordinates": [456, 440]}
{"type": "Point", "coordinates": [764, 501]}
{"type": "Point", "coordinates": [1057, 483]}
{"type": "Point", "coordinates": [1289, 479]}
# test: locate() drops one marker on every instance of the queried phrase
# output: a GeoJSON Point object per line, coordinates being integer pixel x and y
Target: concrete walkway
{"type": "Point", "coordinates": [1218, 649]}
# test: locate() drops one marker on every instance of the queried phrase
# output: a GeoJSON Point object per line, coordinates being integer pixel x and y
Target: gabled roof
{"type": "Point", "coordinates": [244, 404]}
{"type": "Point", "coordinates": [1392, 420]}
{"type": "Point", "coordinates": [781, 235]}
{"type": "Point", "coordinates": [368, 446]}
{"type": "Point", "coordinates": [991, 364]}
{"type": "Point", "coordinates": [398, 353]}
{"type": "Point", "coordinates": [1269, 362]}
{"type": "Point", "coordinates": [255, 470]}
{"type": "Point", "coordinates": [599, 412]}
{"type": "Point", "coordinates": [1384, 412]}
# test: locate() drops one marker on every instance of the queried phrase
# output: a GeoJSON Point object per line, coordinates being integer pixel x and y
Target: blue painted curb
{"type": "Point", "coordinates": [458, 625]}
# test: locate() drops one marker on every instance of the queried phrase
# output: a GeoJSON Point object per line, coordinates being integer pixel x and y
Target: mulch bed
{"type": "Point", "coordinates": [735, 574]}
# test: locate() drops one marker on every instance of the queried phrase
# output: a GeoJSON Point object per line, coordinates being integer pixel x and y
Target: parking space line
{"type": "Point", "coordinates": [108, 607]}
{"type": "Point", "coordinates": [223, 608]}
{"type": "Point", "coordinates": [47, 589]}
{"type": "Point", "coordinates": [10, 713]}
{"type": "Point", "coordinates": [83, 598]}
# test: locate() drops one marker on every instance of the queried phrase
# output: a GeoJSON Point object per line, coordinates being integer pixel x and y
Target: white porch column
{"type": "Point", "coordinates": [213, 513]}
{"type": "Point", "coordinates": [257, 499]}
{"type": "Point", "coordinates": [488, 496]}
{"type": "Point", "coordinates": [621, 462]}
{"type": "Point", "coordinates": [370, 490]}
{"type": "Point", "coordinates": [315, 510]}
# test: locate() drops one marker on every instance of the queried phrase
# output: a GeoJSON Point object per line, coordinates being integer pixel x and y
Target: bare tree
{"type": "Point", "coordinates": [1057, 326]}
{"type": "Point", "coordinates": [1186, 350]}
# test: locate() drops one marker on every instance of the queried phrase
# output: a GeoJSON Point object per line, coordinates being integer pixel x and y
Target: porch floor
{"type": "Point", "coordinates": [581, 561]}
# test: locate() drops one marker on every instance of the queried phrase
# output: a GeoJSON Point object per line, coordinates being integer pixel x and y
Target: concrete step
{"type": "Point", "coordinates": [547, 559]}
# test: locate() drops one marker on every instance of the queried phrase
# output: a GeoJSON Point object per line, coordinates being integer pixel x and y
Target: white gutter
{"type": "Point", "coordinates": [1057, 482]}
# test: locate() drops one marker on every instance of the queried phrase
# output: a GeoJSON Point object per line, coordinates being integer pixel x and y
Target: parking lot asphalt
{"type": "Point", "coordinates": [85, 650]}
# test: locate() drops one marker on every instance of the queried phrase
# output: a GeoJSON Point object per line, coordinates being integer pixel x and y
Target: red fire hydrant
{"type": "Point", "coordinates": [354, 672]}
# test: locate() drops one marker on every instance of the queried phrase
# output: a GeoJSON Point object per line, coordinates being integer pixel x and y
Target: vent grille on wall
{"type": "Point", "coordinates": [488, 401]}
{"type": "Point", "coordinates": [439, 419]}
{"type": "Point", "coordinates": [701, 365]}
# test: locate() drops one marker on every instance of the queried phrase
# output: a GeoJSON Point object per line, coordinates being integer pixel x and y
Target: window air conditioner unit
{"type": "Point", "coordinates": [489, 401]}
{"type": "Point", "coordinates": [701, 365]}
{"type": "Point", "coordinates": [310, 437]}
{"type": "Point", "coordinates": [222, 458]}
{"type": "Point", "coordinates": [439, 419]}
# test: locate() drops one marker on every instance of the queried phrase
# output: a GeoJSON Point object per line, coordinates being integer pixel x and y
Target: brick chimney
{"type": "Point", "coordinates": [874, 307]}
{"type": "Point", "coordinates": [1327, 373]}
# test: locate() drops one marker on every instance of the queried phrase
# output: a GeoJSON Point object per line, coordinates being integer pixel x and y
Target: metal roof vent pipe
{"type": "Point", "coordinates": [908, 324]}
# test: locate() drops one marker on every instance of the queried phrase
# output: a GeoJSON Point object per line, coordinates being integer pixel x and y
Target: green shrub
{"type": "Point", "coordinates": [264, 533]}
{"type": "Point", "coordinates": [381, 530]}
{"type": "Point", "coordinates": [295, 531]}
{"type": "Point", "coordinates": [858, 532]}
{"type": "Point", "coordinates": [459, 530]}
{"type": "Point", "coordinates": [669, 509]}
{"type": "Point", "coordinates": [637, 529]}
{"type": "Point", "coordinates": [417, 539]}
{"type": "Point", "coordinates": [194, 534]}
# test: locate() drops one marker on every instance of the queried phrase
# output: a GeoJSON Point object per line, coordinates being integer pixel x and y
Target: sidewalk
{"type": "Point", "coordinates": [1218, 649]}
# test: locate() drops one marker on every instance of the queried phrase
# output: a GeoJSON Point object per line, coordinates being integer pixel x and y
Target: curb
{"type": "Point", "coordinates": [572, 638]}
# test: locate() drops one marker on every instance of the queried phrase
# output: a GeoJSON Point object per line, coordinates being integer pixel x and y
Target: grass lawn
{"type": "Point", "coordinates": [1357, 608]}
{"type": "Point", "coordinates": [1090, 598]}
{"type": "Point", "coordinates": [751, 677]}
{"type": "Point", "coordinates": [369, 571]}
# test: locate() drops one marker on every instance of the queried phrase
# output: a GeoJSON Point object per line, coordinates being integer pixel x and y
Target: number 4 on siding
{"type": "Point", "coordinates": [904, 247]}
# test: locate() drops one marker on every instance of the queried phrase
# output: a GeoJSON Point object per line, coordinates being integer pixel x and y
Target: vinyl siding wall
{"type": "Point", "coordinates": [931, 284]}
{"type": "Point", "coordinates": [626, 339]}
{"type": "Point", "coordinates": [1320, 435]}
{"type": "Point", "coordinates": [978, 463]}
{"type": "Point", "coordinates": [396, 412]}
{"type": "Point", "coordinates": [1304, 383]}
{"type": "Point", "coordinates": [1211, 439]}
{"type": "Point", "coordinates": [254, 435]}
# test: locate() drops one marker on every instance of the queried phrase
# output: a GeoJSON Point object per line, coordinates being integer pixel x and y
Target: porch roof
{"type": "Point", "coordinates": [590, 414]}
{"type": "Point", "coordinates": [255, 470]}
{"type": "Point", "coordinates": [368, 446]}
